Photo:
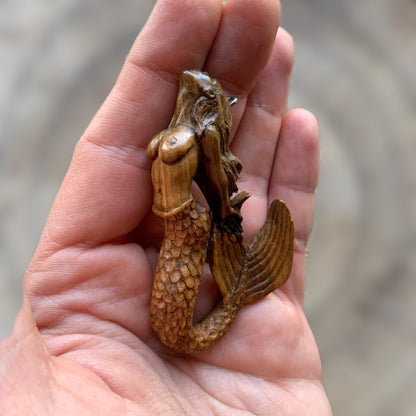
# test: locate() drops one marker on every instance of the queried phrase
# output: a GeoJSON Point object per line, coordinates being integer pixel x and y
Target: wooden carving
{"type": "Point", "coordinates": [195, 148]}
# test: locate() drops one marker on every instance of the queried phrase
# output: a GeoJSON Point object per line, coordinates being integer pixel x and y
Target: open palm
{"type": "Point", "coordinates": [84, 330]}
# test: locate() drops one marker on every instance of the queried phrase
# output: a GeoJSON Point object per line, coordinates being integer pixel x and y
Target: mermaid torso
{"type": "Point", "coordinates": [175, 157]}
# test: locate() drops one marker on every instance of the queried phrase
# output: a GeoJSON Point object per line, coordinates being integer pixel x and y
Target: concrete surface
{"type": "Point", "coordinates": [354, 68]}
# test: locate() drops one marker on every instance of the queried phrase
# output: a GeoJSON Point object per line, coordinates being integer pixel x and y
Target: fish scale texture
{"type": "Point", "coordinates": [177, 279]}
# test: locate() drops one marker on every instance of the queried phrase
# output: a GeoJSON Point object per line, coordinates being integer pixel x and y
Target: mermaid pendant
{"type": "Point", "coordinates": [195, 147]}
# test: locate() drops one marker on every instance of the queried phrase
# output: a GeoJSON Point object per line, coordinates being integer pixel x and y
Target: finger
{"type": "Point", "coordinates": [294, 180]}
{"type": "Point", "coordinates": [243, 46]}
{"type": "Point", "coordinates": [178, 35]}
{"type": "Point", "coordinates": [296, 169]}
{"type": "Point", "coordinates": [244, 42]}
{"type": "Point", "coordinates": [107, 190]}
{"type": "Point", "coordinates": [256, 139]}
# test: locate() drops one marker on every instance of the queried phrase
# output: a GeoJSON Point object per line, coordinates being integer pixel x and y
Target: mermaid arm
{"type": "Point", "coordinates": [211, 176]}
{"type": "Point", "coordinates": [153, 146]}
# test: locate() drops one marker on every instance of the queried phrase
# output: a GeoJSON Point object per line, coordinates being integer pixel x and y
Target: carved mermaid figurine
{"type": "Point", "coordinates": [195, 148]}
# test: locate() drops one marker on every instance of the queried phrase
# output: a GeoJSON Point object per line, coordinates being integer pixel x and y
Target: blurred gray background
{"type": "Point", "coordinates": [354, 68]}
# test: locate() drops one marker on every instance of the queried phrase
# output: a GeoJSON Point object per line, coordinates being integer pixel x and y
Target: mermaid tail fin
{"type": "Point", "coordinates": [260, 265]}
{"type": "Point", "coordinates": [228, 250]}
{"type": "Point", "coordinates": [228, 253]}
{"type": "Point", "coordinates": [269, 253]}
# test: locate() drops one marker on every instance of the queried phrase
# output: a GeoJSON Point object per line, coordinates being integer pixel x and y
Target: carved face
{"type": "Point", "coordinates": [201, 102]}
{"type": "Point", "coordinates": [198, 84]}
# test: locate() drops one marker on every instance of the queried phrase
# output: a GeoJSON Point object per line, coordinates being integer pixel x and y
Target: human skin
{"type": "Point", "coordinates": [82, 342]}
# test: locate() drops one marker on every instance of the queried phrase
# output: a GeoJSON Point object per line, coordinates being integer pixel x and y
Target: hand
{"type": "Point", "coordinates": [82, 342]}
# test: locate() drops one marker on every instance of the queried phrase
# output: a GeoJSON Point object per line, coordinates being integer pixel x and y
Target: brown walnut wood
{"type": "Point", "coordinates": [195, 148]}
